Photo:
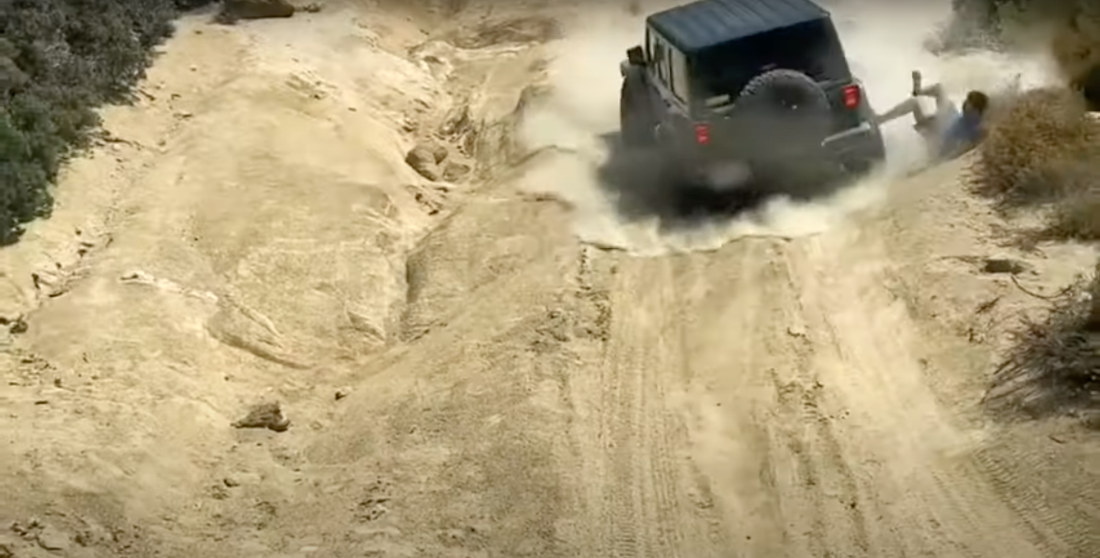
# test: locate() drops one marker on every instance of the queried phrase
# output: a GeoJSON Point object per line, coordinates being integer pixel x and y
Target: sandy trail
{"type": "Point", "coordinates": [799, 382]}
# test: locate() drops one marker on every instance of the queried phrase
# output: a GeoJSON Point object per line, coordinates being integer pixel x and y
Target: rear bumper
{"type": "Point", "coordinates": [854, 150]}
{"type": "Point", "coordinates": [860, 145]}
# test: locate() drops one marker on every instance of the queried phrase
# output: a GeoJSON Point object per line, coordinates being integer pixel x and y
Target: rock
{"type": "Point", "coordinates": [52, 539]}
{"type": "Point", "coordinates": [342, 393]}
{"type": "Point", "coordinates": [454, 172]}
{"type": "Point", "coordinates": [422, 160]}
{"type": "Point", "coordinates": [219, 492]}
{"type": "Point", "coordinates": [1004, 265]}
{"type": "Point", "coordinates": [231, 482]}
{"type": "Point", "coordinates": [233, 10]}
{"type": "Point", "coordinates": [264, 415]}
{"type": "Point", "coordinates": [26, 530]}
{"type": "Point", "coordinates": [439, 152]}
{"type": "Point", "coordinates": [6, 551]}
{"type": "Point", "coordinates": [312, 8]}
{"type": "Point", "coordinates": [15, 324]}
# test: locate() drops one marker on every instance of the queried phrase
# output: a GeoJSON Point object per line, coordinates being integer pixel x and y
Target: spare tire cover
{"type": "Point", "coordinates": [784, 111]}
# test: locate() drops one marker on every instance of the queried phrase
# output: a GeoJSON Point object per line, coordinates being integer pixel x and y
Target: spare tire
{"type": "Point", "coordinates": [787, 108]}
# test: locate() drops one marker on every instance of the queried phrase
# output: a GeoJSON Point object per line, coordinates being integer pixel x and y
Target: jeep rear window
{"type": "Point", "coordinates": [810, 47]}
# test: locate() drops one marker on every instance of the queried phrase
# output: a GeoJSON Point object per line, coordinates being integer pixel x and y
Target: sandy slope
{"type": "Point", "coordinates": [750, 390]}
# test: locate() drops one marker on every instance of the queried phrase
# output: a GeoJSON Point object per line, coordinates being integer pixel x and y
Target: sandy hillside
{"type": "Point", "coordinates": [517, 359]}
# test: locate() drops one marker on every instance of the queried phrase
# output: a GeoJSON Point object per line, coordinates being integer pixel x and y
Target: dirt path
{"type": "Point", "coordinates": [463, 376]}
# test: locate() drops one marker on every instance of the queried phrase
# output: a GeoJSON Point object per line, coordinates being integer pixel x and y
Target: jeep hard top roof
{"type": "Point", "coordinates": [706, 23]}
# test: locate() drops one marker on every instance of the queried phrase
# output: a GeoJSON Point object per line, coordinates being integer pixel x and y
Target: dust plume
{"type": "Point", "coordinates": [578, 121]}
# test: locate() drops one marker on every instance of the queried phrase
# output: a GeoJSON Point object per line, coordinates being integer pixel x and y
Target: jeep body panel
{"type": "Point", "coordinates": [699, 57]}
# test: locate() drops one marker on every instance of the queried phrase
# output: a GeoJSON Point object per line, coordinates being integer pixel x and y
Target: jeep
{"type": "Point", "coordinates": [727, 90]}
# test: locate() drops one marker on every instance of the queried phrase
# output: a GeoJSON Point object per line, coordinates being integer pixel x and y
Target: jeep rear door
{"type": "Point", "coordinates": [812, 47]}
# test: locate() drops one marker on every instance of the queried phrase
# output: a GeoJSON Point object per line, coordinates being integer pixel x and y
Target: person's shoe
{"type": "Point", "coordinates": [916, 82]}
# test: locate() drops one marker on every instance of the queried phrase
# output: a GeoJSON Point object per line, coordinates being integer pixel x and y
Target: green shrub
{"type": "Point", "coordinates": [59, 60]}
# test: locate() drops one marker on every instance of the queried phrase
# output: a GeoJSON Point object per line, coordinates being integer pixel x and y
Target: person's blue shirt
{"type": "Point", "coordinates": [963, 133]}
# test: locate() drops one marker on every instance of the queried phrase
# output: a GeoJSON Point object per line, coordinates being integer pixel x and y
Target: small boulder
{"type": "Point", "coordinates": [1004, 265]}
{"type": "Point", "coordinates": [454, 172]}
{"type": "Point", "coordinates": [439, 152]}
{"type": "Point", "coordinates": [422, 160]}
{"type": "Point", "coordinates": [52, 539]}
{"type": "Point", "coordinates": [264, 415]}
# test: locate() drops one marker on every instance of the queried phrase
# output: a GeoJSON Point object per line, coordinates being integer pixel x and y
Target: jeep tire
{"type": "Point", "coordinates": [636, 118]}
{"type": "Point", "coordinates": [784, 104]}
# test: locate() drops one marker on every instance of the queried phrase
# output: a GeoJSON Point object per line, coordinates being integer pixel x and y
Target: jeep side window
{"type": "Point", "coordinates": [648, 45]}
{"type": "Point", "coordinates": [658, 56]}
{"type": "Point", "coordinates": [659, 61]}
{"type": "Point", "coordinates": [652, 48]}
{"type": "Point", "coordinates": [679, 75]}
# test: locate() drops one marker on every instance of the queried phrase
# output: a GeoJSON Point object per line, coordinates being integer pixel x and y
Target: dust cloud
{"type": "Point", "coordinates": [575, 126]}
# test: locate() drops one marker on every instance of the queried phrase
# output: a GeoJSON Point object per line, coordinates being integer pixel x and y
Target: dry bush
{"type": "Point", "coordinates": [1055, 366]}
{"type": "Point", "coordinates": [1078, 215]}
{"type": "Point", "coordinates": [1069, 29]}
{"type": "Point", "coordinates": [1076, 44]}
{"type": "Point", "coordinates": [1041, 147]}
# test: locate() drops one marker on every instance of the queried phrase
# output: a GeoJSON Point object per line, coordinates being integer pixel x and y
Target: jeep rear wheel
{"type": "Point", "coordinates": [636, 119]}
{"type": "Point", "coordinates": [786, 107]}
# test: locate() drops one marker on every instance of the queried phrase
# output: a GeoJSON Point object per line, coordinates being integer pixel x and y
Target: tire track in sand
{"type": "Point", "coordinates": [638, 481]}
{"type": "Point", "coordinates": [920, 478]}
{"type": "Point", "coordinates": [814, 412]}
{"type": "Point", "coordinates": [837, 519]}
{"type": "Point", "coordinates": [760, 434]}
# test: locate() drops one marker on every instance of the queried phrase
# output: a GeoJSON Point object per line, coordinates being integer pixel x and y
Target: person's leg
{"type": "Point", "coordinates": [906, 107]}
{"type": "Point", "coordinates": [936, 92]}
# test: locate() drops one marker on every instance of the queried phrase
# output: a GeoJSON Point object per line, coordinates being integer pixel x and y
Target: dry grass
{"type": "Point", "coordinates": [1078, 215]}
{"type": "Point", "coordinates": [1043, 148]}
{"type": "Point", "coordinates": [1055, 367]}
{"type": "Point", "coordinates": [1043, 151]}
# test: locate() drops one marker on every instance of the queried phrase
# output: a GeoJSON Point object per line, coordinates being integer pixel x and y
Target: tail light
{"type": "Point", "coordinates": [702, 133]}
{"type": "Point", "coordinates": [852, 96]}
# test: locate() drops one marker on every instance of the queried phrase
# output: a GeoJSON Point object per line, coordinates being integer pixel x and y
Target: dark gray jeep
{"type": "Point", "coordinates": [722, 87]}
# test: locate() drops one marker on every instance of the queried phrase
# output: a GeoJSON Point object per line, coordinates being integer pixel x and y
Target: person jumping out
{"type": "Point", "coordinates": [949, 133]}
